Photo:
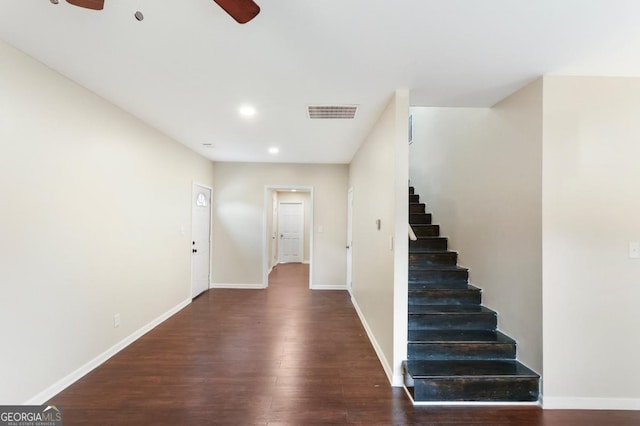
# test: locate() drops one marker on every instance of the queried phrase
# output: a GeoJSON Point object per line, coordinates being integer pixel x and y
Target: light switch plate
{"type": "Point", "coordinates": [634, 250]}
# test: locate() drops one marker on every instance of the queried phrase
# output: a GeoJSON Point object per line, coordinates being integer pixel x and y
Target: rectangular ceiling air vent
{"type": "Point", "coordinates": [332, 112]}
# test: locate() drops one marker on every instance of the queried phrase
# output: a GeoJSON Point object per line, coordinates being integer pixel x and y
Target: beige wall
{"type": "Point", "coordinates": [238, 219]}
{"type": "Point", "coordinates": [95, 220]}
{"type": "Point", "coordinates": [479, 171]}
{"type": "Point", "coordinates": [591, 200]}
{"type": "Point", "coordinates": [378, 176]}
{"type": "Point", "coordinates": [305, 199]}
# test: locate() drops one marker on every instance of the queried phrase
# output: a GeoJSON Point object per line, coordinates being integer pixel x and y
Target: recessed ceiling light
{"type": "Point", "coordinates": [139, 16]}
{"type": "Point", "coordinates": [247, 111]}
{"type": "Point", "coordinates": [273, 150]}
{"type": "Point", "coordinates": [54, 1]}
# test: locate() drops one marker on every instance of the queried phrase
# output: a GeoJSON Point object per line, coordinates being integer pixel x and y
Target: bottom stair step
{"type": "Point", "coordinates": [489, 381]}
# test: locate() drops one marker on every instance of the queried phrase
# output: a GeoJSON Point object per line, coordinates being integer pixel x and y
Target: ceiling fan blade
{"type": "Point", "coordinates": [241, 10]}
{"type": "Point", "coordinates": [88, 4]}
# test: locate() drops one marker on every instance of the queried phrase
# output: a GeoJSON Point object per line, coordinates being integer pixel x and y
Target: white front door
{"type": "Point", "coordinates": [350, 238]}
{"type": "Point", "coordinates": [291, 230]}
{"type": "Point", "coordinates": [200, 239]}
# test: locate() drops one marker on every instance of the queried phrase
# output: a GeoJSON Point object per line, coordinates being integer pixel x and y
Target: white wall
{"type": "Point", "coordinates": [591, 200]}
{"type": "Point", "coordinates": [378, 176]}
{"type": "Point", "coordinates": [238, 219]}
{"type": "Point", "coordinates": [479, 171]}
{"type": "Point", "coordinates": [95, 220]}
{"type": "Point", "coordinates": [305, 199]}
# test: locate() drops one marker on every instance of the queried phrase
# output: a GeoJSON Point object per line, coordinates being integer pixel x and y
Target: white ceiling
{"type": "Point", "coordinates": [188, 66]}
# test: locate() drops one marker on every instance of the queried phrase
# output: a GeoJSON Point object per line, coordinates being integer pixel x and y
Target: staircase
{"type": "Point", "coordinates": [455, 352]}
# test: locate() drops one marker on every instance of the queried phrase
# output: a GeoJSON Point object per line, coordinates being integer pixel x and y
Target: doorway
{"type": "Point", "coordinates": [200, 238]}
{"type": "Point", "coordinates": [288, 228]}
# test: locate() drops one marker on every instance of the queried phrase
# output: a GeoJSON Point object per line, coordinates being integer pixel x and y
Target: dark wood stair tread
{"type": "Point", "coordinates": [458, 336]}
{"type": "Point", "coordinates": [425, 292]}
{"type": "Point", "coordinates": [418, 251]}
{"type": "Point", "coordinates": [431, 237]}
{"type": "Point", "coordinates": [469, 287]}
{"type": "Point", "coordinates": [421, 369]}
{"type": "Point", "coordinates": [426, 229]}
{"type": "Point", "coordinates": [449, 309]}
{"type": "Point", "coordinates": [465, 295]}
{"type": "Point", "coordinates": [438, 267]}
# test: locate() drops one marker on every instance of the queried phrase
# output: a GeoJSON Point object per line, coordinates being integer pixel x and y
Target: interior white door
{"type": "Point", "coordinates": [291, 229]}
{"type": "Point", "coordinates": [350, 238]}
{"type": "Point", "coordinates": [200, 239]}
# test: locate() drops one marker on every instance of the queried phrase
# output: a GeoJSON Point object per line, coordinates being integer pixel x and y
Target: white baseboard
{"type": "Point", "coordinates": [238, 286]}
{"type": "Point", "coordinates": [573, 403]}
{"type": "Point", "coordinates": [68, 380]}
{"type": "Point", "coordinates": [306, 262]}
{"type": "Point", "coordinates": [328, 287]}
{"type": "Point", "coordinates": [397, 381]}
{"type": "Point", "coordinates": [383, 360]}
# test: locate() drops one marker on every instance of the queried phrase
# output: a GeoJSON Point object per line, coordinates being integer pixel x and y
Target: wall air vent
{"type": "Point", "coordinates": [332, 112]}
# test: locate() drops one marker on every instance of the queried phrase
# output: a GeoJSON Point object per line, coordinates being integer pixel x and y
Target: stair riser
{"type": "Point", "coordinates": [445, 297]}
{"type": "Point", "coordinates": [416, 208]}
{"type": "Point", "coordinates": [425, 244]}
{"type": "Point", "coordinates": [437, 277]}
{"type": "Point", "coordinates": [411, 190]}
{"type": "Point", "coordinates": [427, 258]}
{"type": "Point", "coordinates": [452, 321]}
{"type": "Point", "coordinates": [476, 389]}
{"type": "Point", "coordinates": [420, 218]}
{"type": "Point", "coordinates": [427, 231]}
{"type": "Point", "coordinates": [462, 351]}
{"type": "Point", "coordinates": [414, 198]}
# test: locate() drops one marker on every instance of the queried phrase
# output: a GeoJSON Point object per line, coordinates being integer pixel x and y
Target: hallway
{"type": "Point", "coordinates": [284, 355]}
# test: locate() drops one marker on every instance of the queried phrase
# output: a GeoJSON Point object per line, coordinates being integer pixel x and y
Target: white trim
{"type": "Point", "coordinates": [376, 346]}
{"type": "Point", "coordinates": [238, 286]}
{"type": "Point", "coordinates": [401, 242]}
{"type": "Point", "coordinates": [329, 287]}
{"type": "Point", "coordinates": [578, 403]}
{"type": "Point", "coordinates": [306, 262]}
{"type": "Point", "coordinates": [76, 375]}
{"type": "Point", "coordinates": [349, 245]}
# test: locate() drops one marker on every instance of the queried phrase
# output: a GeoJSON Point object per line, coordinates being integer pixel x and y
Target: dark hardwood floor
{"type": "Point", "coordinates": [285, 355]}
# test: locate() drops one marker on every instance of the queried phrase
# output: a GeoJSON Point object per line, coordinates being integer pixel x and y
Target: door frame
{"type": "Point", "coordinates": [350, 239]}
{"type": "Point", "coordinates": [302, 240]}
{"type": "Point", "coordinates": [193, 185]}
{"type": "Point", "coordinates": [265, 240]}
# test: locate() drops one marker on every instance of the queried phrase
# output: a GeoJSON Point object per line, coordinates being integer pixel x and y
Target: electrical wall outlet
{"type": "Point", "coordinates": [116, 321]}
